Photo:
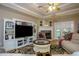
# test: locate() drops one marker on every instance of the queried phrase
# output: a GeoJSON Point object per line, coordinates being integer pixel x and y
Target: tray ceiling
{"type": "Point", "coordinates": [40, 9]}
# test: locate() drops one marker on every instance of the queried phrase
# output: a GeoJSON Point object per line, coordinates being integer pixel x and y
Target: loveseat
{"type": "Point", "coordinates": [72, 45]}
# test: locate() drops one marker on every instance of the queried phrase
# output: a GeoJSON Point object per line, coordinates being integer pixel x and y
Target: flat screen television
{"type": "Point", "coordinates": [23, 31]}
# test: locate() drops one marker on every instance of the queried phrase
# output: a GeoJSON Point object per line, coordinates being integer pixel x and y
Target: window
{"type": "Point", "coordinates": [61, 27]}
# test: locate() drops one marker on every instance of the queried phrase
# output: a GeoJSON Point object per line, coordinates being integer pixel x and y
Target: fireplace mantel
{"type": "Point", "coordinates": [45, 28]}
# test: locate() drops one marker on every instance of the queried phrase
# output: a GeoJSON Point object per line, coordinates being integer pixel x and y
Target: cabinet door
{"type": "Point", "coordinates": [9, 44]}
{"type": "Point", "coordinates": [9, 34]}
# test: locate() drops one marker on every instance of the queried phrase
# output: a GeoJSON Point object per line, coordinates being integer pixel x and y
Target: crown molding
{"type": "Point", "coordinates": [21, 9]}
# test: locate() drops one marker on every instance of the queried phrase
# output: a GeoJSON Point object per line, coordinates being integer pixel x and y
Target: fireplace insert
{"type": "Point", "coordinates": [47, 33]}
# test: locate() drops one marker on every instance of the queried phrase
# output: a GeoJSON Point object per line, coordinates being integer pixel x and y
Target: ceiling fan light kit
{"type": "Point", "coordinates": [53, 7]}
{"type": "Point", "coordinates": [50, 8]}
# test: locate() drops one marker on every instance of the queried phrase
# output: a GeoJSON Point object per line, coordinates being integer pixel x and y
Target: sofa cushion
{"type": "Point", "coordinates": [76, 41]}
{"type": "Point", "coordinates": [75, 38]}
{"type": "Point", "coordinates": [72, 47]}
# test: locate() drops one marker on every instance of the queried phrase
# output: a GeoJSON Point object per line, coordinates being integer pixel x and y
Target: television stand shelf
{"type": "Point", "coordinates": [11, 37]}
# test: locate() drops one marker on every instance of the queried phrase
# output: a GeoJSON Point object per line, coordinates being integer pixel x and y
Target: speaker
{"type": "Point", "coordinates": [41, 23]}
{"type": "Point", "coordinates": [50, 23]}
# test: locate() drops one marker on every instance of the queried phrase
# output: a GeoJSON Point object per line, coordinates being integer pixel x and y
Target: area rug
{"type": "Point", "coordinates": [58, 50]}
{"type": "Point", "coordinates": [23, 50]}
{"type": "Point", "coordinates": [55, 49]}
{"type": "Point", "coordinates": [29, 50]}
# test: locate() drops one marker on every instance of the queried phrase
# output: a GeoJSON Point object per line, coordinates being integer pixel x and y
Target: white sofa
{"type": "Point", "coordinates": [73, 45]}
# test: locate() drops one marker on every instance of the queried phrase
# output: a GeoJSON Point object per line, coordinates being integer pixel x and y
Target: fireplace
{"type": "Point", "coordinates": [47, 33]}
{"type": "Point", "coordinates": [47, 30]}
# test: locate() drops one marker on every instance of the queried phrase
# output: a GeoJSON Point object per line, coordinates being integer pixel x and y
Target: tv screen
{"type": "Point", "coordinates": [23, 31]}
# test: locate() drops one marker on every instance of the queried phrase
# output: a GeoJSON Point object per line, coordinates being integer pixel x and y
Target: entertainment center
{"type": "Point", "coordinates": [16, 33]}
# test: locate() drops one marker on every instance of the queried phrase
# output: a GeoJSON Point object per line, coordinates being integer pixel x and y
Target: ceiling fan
{"type": "Point", "coordinates": [51, 7]}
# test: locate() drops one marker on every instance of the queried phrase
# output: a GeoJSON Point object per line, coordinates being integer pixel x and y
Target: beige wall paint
{"type": "Point", "coordinates": [76, 21]}
{"type": "Point", "coordinates": [9, 13]}
{"type": "Point", "coordinates": [74, 17]}
{"type": "Point", "coordinates": [6, 12]}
